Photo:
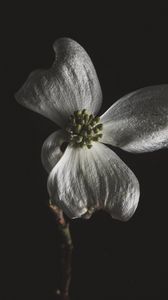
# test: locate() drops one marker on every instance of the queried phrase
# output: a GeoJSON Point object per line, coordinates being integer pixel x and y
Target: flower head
{"type": "Point", "coordinates": [88, 175]}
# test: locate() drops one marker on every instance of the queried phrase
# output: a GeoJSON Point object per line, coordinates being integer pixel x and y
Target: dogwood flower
{"type": "Point", "coordinates": [88, 175]}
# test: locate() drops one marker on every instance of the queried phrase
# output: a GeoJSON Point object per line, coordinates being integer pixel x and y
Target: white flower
{"type": "Point", "coordinates": [88, 175]}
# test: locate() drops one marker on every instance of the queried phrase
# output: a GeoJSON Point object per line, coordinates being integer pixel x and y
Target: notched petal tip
{"type": "Point", "coordinates": [125, 207]}
{"type": "Point", "coordinates": [18, 96]}
{"type": "Point", "coordinates": [88, 214]}
{"type": "Point", "coordinates": [52, 149]}
{"type": "Point", "coordinates": [64, 42]}
{"type": "Point", "coordinates": [125, 214]}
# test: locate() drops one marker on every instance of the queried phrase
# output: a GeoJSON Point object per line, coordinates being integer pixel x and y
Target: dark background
{"type": "Point", "coordinates": [128, 45]}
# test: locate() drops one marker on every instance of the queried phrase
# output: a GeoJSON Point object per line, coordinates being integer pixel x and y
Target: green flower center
{"type": "Point", "coordinates": [83, 128]}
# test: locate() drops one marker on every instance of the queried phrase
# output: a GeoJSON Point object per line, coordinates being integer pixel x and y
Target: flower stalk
{"type": "Point", "coordinates": [66, 247]}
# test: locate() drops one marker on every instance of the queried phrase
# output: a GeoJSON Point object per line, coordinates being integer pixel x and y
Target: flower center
{"type": "Point", "coordinates": [83, 128]}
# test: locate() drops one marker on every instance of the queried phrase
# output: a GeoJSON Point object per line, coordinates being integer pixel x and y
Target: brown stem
{"type": "Point", "coordinates": [66, 252]}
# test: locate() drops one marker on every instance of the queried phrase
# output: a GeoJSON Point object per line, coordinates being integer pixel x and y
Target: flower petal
{"type": "Point", "coordinates": [88, 179]}
{"type": "Point", "coordinates": [138, 122]}
{"type": "Point", "coordinates": [70, 84]}
{"type": "Point", "coordinates": [51, 150]}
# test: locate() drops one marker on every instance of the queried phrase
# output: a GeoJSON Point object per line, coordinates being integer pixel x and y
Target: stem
{"type": "Point", "coordinates": [66, 252]}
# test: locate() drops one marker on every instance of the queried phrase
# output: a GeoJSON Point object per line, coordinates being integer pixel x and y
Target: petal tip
{"type": "Point", "coordinates": [64, 41]}
{"type": "Point", "coordinates": [126, 214]}
{"type": "Point", "coordinates": [17, 96]}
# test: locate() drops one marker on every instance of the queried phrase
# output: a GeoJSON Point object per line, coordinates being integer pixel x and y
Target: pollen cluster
{"type": "Point", "coordinates": [83, 128]}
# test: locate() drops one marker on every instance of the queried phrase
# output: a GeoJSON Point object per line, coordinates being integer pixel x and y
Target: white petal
{"type": "Point", "coordinates": [88, 179]}
{"type": "Point", "coordinates": [70, 84]}
{"type": "Point", "coordinates": [138, 122]}
{"type": "Point", "coordinates": [51, 150]}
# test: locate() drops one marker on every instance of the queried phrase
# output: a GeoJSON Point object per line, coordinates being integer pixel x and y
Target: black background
{"type": "Point", "coordinates": [128, 45]}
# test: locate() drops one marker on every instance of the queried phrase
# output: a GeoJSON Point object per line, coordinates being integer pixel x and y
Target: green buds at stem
{"type": "Point", "coordinates": [83, 128]}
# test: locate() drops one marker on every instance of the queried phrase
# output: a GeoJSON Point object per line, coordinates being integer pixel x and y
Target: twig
{"type": "Point", "coordinates": [66, 253]}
